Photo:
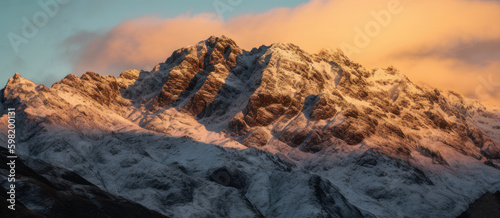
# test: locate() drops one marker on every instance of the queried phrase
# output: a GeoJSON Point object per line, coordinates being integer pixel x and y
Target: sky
{"type": "Point", "coordinates": [447, 44]}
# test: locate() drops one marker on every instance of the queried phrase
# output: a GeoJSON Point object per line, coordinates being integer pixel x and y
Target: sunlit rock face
{"type": "Point", "coordinates": [216, 130]}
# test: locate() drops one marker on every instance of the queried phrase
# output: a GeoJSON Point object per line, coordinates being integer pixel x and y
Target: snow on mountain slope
{"type": "Point", "coordinates": [276, 132]}
{"type": "Point", "coordinates": [189, 179]}
{"type": "Point", "coordinates": [55, 192]}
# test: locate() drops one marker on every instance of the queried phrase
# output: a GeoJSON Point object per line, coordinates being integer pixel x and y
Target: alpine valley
{"type": "Point", "coordinates": [218, 131]}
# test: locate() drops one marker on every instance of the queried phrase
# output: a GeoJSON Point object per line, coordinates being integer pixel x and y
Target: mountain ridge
{"type": "Point", "coordinates": [309, 110]}
{"type": "Point", "coordinates": [200, 81]}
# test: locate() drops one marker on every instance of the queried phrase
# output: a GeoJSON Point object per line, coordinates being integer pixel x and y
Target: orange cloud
{"type": "Point", "coordinates": [421, 38]}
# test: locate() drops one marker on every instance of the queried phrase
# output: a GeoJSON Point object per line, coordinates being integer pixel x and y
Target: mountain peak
{"type": "Point", "coordinates": [20, 87]}
{"type": "Point", "coordinates": [285, 46]}
{"type": "Point", "coordinates": [18, 79]}
{"type": "Point", "coordinates": [17, 76]}
{"type": "Point", "coordinates": [212, 41]}
{"type": "Point", "coordinates": [320, 114]}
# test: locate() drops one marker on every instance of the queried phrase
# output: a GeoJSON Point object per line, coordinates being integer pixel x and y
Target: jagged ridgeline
{"type": "Point", "coordinates": [359, 142]}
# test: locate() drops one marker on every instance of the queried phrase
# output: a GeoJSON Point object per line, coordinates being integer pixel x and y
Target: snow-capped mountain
{"type": "Point", "coordinates": [217, 131]}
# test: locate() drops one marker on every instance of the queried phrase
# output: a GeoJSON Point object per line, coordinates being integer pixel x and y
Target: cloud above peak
{"type": "Point", "coordinates": [447, 43]}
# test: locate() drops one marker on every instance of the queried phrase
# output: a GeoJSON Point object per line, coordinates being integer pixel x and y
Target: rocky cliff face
{"type": "Point", "coordinates": [358, 142]}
